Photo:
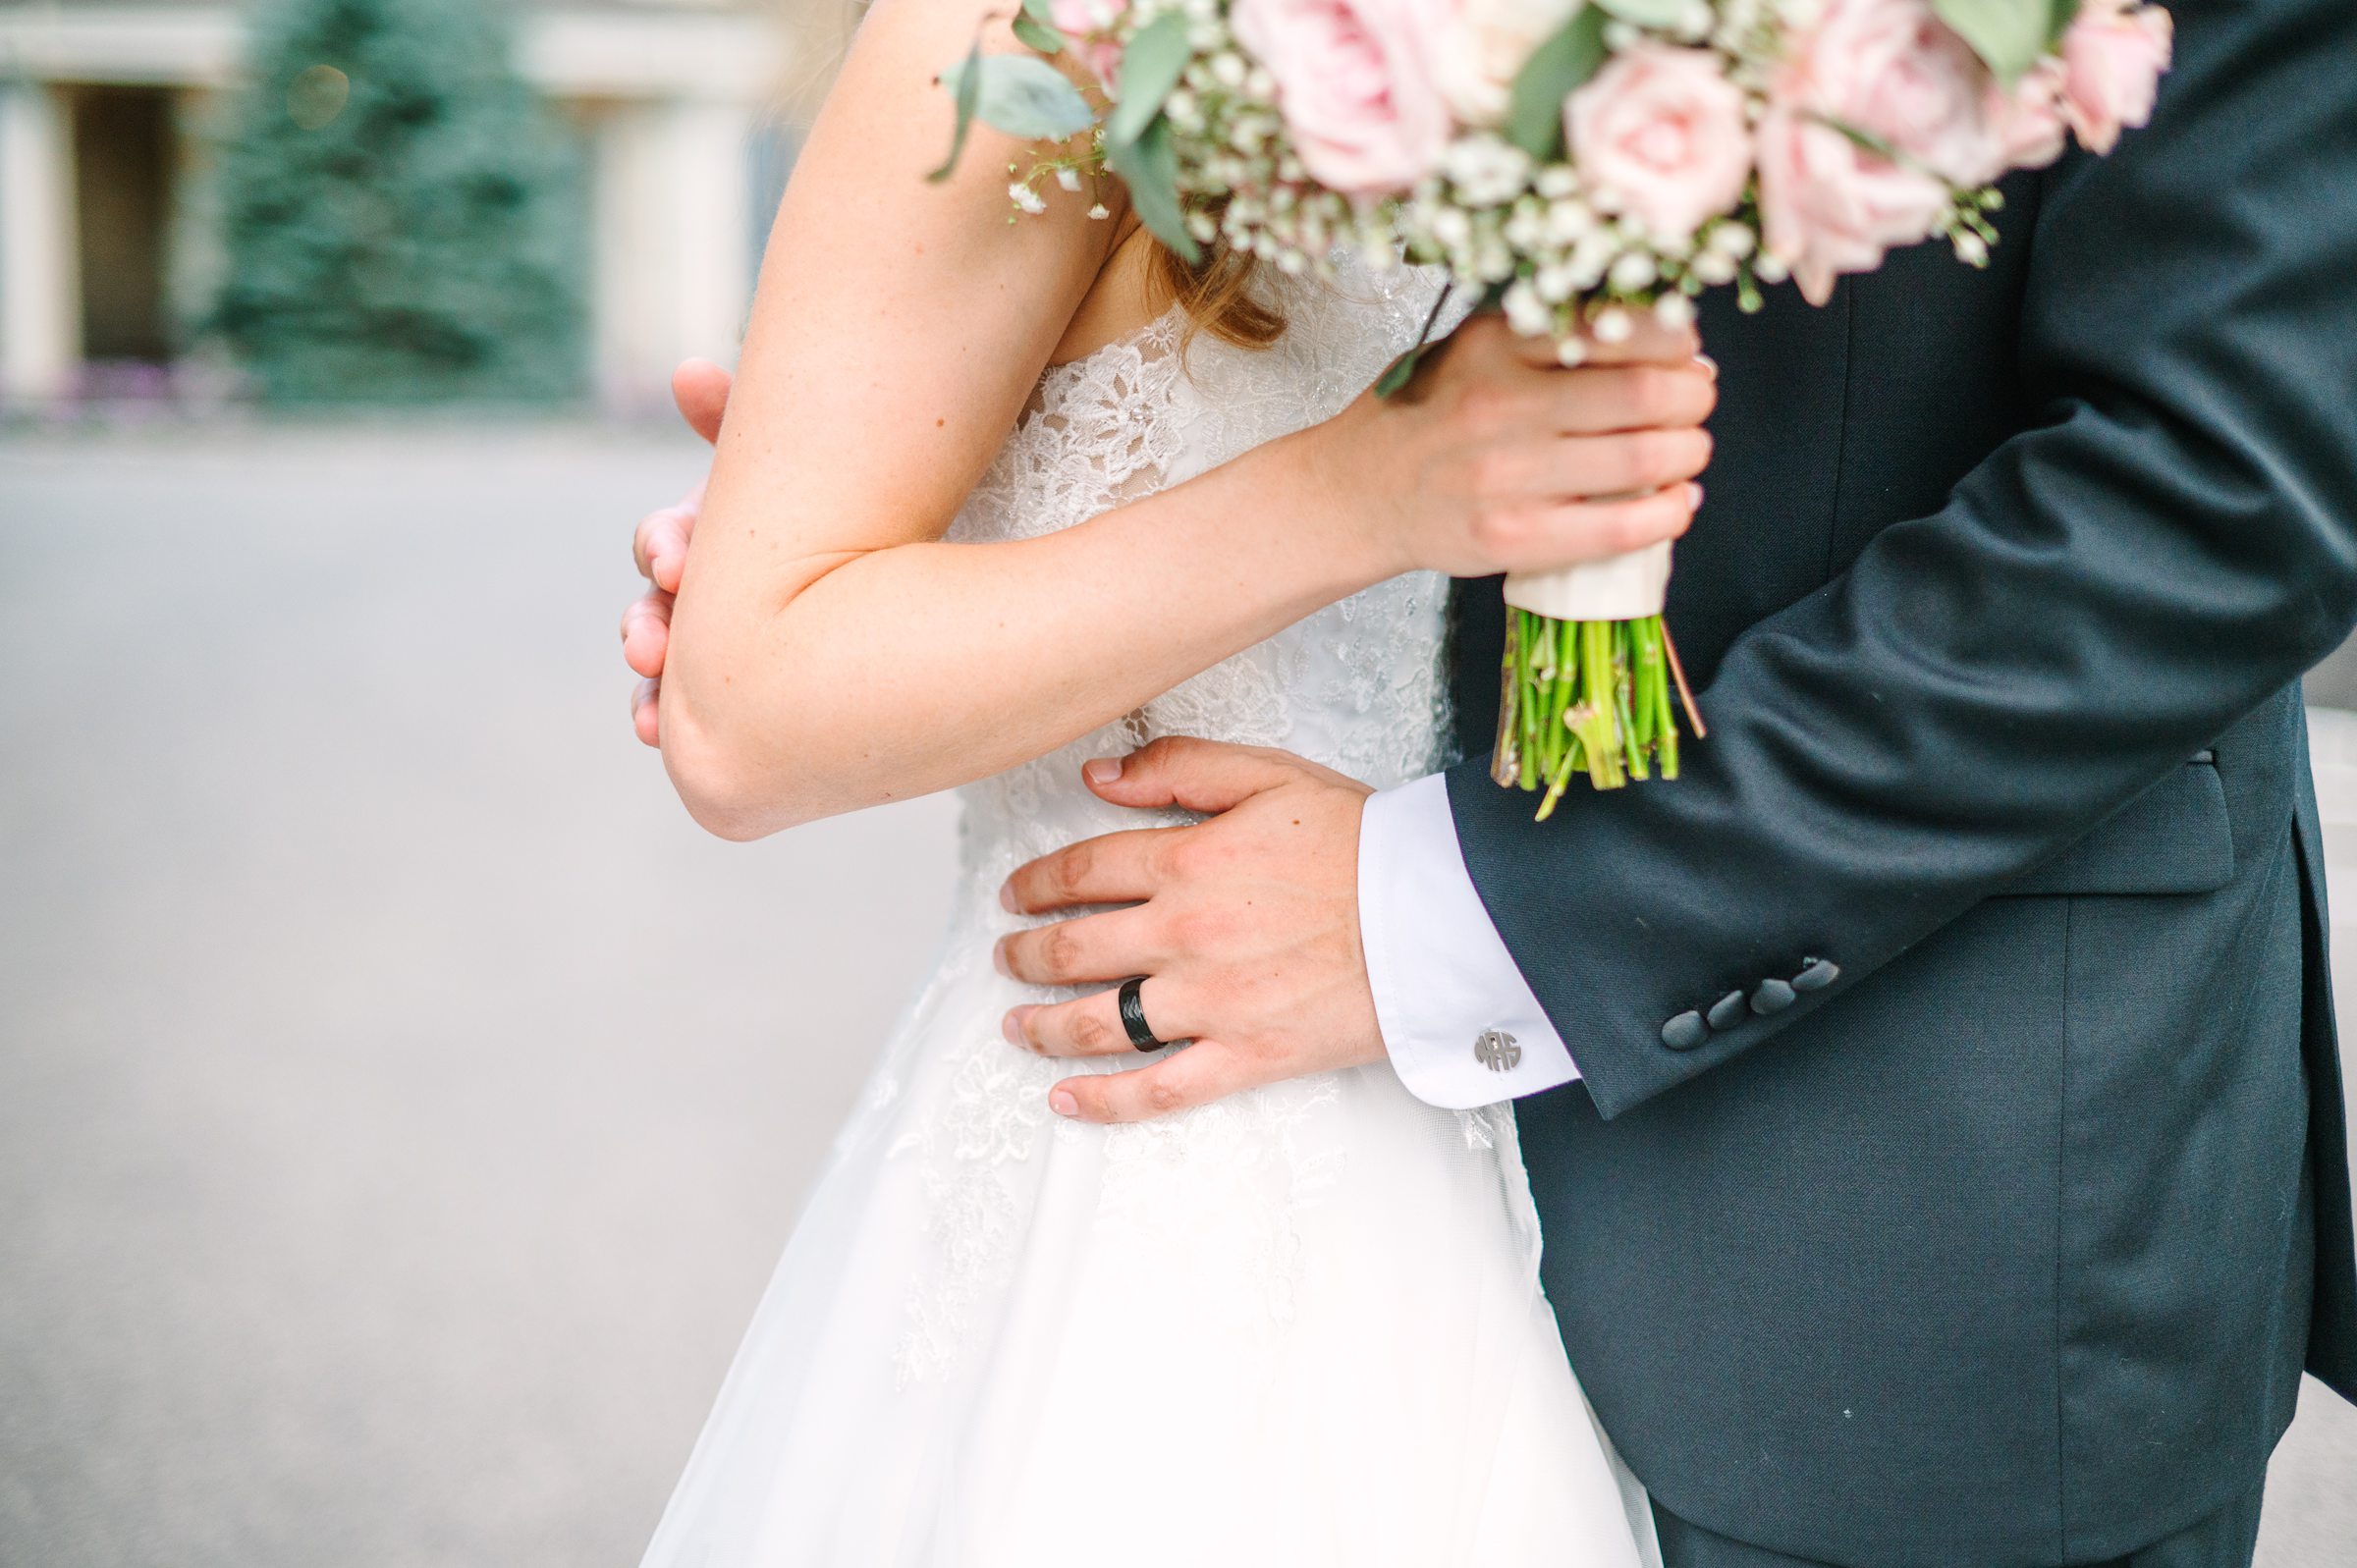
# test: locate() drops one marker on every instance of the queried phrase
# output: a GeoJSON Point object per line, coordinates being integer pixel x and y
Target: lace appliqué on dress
{"type": "Point", "coordinates": [1357, 686]}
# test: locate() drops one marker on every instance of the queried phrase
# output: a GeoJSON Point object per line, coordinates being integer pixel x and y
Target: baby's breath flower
{"type": "Point", "coordinates": [1525, 312]}
{"type": "Point", "coordinates": [1634, 271]}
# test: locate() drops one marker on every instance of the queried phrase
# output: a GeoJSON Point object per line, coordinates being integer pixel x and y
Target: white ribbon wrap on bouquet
{"type": "Point", "coordinates": [1627, 587]}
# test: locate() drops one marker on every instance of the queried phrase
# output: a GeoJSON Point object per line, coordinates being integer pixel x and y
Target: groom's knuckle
{"type": "Point", "coordinates": [1068, 870]}
{"type": "Point", "coordinates": [1189, 856]}
{"type": "Point", "coordinates": [1091, 1035]}
{"type": "Point", "coordinates": [1059, 951]}
{"type": "Point", "coordinates": [1199, 929]}
{"type": "Point", "coordinates": [1164, 1095]}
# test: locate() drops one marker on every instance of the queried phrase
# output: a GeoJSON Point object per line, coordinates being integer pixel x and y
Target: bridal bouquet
{"type": "Point", "coordinates": [1578, 162]}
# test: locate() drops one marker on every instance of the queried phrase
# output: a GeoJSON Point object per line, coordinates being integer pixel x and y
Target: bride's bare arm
{"type": "Point", "coordinates": [829, 651]}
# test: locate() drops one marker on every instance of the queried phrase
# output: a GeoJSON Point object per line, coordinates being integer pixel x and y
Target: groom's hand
{"type": "Point", "coordinates": [1246, 927]}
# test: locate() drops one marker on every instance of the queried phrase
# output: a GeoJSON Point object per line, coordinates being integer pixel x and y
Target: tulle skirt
{"type": "Point", "coordinates": [1302, 1327]}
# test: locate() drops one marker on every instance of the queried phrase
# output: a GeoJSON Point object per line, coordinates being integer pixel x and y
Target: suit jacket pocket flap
{"type": "Point", "coordinates": [2174, 838]}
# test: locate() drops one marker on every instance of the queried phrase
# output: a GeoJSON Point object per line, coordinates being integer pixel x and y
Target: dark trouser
{"type": "Point", "coordinates": [2224, 1540]}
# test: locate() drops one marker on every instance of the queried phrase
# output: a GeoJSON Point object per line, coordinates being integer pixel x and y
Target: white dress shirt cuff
{"type": "Point", "coordinates": [1457, 1017]}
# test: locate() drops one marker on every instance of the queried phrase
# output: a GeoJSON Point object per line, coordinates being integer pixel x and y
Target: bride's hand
{"type": "Point", "coordinates": [1497, 459]}
{"type": "Point", "coordinates": [659, 548]}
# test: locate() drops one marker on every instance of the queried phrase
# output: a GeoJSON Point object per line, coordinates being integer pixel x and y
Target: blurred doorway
{"type": "Point", "coordinates": [124, 158]}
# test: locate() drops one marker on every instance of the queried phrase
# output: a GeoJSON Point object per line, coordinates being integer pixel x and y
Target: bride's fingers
{"type": "Point", "coordinates": [646, 712]}
{"type": "Point", "coordinates": [658, 547]}
{"type": "Point", "coordinates": [1648, 342]}
{"type": "Point", "coordinates": [646, 632]}
{"type": "Point", "coordinates": [1635, 462]}
{"type": "Point", "coordinates": [1073, 952]}
{"type": "Point", "coordinates": [1543, 537]}
{"type": "Point", "coordinates": [1647, 396]}
{"type": "Point", "coordinates": [1197, 1075]}
{"type": "Point", "coordinates": [1091, 1025]}
{"type": "Point", "coordinates": [1116, 868]}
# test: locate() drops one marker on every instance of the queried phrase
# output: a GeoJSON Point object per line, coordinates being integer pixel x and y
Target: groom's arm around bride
{"type": "Point", "coordinates": [1956, 1173]}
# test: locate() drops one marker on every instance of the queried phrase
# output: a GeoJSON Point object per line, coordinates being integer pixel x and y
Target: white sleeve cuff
{"type": "Point", "coordinates": [1457, 1017]}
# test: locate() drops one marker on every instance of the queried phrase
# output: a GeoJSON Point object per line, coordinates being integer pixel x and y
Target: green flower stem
{"type": "Point", "coordinates": [1597, 697]}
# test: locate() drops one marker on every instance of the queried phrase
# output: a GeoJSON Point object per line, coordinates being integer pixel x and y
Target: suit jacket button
{"type": "Point", "coordinates": [1685, 1032]}
{"type": "Point", "coordinates": [1726, 1010]}
{"type": "Point", "coordinates": [1821, 973]}
{"type": "Point", "coordinates": [1773, 996]}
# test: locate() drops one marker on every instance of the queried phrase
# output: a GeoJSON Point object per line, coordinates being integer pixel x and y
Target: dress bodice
{"type": "Point", "coordinates": [1356, 686]}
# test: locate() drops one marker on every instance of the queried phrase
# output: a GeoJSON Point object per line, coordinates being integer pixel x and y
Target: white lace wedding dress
{"type": "Point", "coordinates": [1302, 1327]}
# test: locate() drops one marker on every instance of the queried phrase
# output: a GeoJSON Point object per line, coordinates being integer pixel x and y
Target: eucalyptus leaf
{"type": "Point", "coordinates": [964, 81]}
{"type": "Point", "coordinates": [1149, 165]}
{"type": "Point", "coordinates": [1151, 67]}
{"type": "Point", "coordinates": [1646, 13]}
{"type": "Point", "coordinates": [2009, 36]}
{"type": "Point", "coordinates": [1022, 95]}
{"type": "Point", "coordinates": [1033, 34]}
{"type": "Point", "coordinates": [1400, 372]}
{"type": "Point", "coordinates": [1534, 114]}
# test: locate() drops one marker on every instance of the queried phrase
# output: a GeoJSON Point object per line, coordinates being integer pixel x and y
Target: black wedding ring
{"type": "Point", "coordinates": [1133, 1016]}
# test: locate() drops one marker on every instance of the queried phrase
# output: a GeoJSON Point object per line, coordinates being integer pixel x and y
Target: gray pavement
{"type": "Point", "coordinates": [401, 1102]}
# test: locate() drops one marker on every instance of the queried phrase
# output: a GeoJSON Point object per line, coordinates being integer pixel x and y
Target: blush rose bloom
{"type": "Point", "coordinates": [1828, 206]}
{"type": "Point", "coordinates": [1077, 20]}
{"type": "Point", "coordinates": [2113, 59]}
{"type": "Point", "coordinates": [1354, 84]}
{"type": "Point", "coordinates": [2030, 117]}
{"type": "Point", "coordinates": [1893, 70]}
{"type": "Point", "coordinates": [1487, 44]}
{"type": "Point", "coordinates": [1661, 130]}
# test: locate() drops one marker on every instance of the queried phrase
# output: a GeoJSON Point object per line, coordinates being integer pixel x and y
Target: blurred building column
{"type": "Point", "coordinates": [674, 247]}
{"type": "Point", "coordinates": [41, 307]}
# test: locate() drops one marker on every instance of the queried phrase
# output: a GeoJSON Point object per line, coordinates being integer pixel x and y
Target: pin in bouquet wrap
{"type": "Point", "coordinates": [1574, 163]}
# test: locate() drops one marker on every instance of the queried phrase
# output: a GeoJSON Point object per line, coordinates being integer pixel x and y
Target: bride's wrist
{"type": "Point", "coordinates": [1335, 503]}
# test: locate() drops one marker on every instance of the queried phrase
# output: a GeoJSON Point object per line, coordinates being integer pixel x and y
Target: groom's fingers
{"type": "Point", "coordinates": [1197, 1075]}
{"type": "Point", "coordinates": [1182, 771]}
{"type": "Point", "coordinates": [1115, 868]}
{"type": "Point", "coordinates": [1113, 946]}
{"type": "Point", "coordinates": [1091, 1025]}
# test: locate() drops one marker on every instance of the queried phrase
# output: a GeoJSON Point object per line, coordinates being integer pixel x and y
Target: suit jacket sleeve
{"type": "Point", "coordinates": [2172, 542]}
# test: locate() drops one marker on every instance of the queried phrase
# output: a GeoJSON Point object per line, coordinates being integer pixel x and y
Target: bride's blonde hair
{"type": "Point", "coordinates": [1219, 294]}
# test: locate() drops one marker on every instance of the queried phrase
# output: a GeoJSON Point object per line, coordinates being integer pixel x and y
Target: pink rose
{"type": "Point", "coordinates": [1661, 130]}
{"type": "Point", "coordinates": [1355, 83]}
{"type": "Point", "coordinates": [2113, 58]}
{"type": "Point", "coordinates": [1087, 27]}
{"type": "Point", "coordinates": [1828, 206]}
{"type": "Point", "coordinates": [1487, 44]}
{"type": "Point", "coordinates": [1893, 70]}
{"type": "Point", "coordinates": [2029, 119]}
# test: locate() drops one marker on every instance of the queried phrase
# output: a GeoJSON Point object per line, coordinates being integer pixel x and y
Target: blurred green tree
{"type": "Point", "coordinates": [404, 221]}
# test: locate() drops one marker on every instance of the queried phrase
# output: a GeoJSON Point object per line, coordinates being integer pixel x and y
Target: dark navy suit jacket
{"type": "Point", "coordinates": [2007, 1246]}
